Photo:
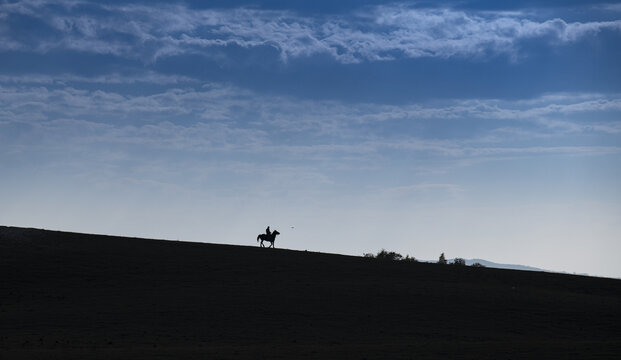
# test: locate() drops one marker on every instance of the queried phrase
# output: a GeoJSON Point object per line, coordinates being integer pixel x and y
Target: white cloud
{"type": "Point", "coordinates": [147, 77]}
{"type": "Point", "coordinates": [399, 191]}
{"type": "Point", "coordinates": [572, 150]}
{"type": "Point", "coordinates": [610, 7]}
{"type": "Point", "coordinates": [378, 33]}
{"type": "Point", "coordinates": [226, 119]}
{"type": "Point", "coordinates": [219, 102]}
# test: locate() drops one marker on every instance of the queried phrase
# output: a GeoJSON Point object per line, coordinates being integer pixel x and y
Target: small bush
{"type": "Point", "coordinates": [389, 255]}
{"type": "Point", "coordinates": [459, 262]}
{"type": "Point", "coordinates": [442, 259]}
{"type": "Point", "coordinates": [476, 264]}
{"type": "Point", "coordinates": [385, 255]}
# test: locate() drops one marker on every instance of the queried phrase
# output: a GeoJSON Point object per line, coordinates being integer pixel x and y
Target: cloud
{"type": "Point", "coordinates": [147, 77]}
{"type": "Point", "coordinates": [26, 95]}
{"type": "Point", "coordinates": [63, 111]}
{"type": "Point", "coordinates": [610, 7]}
{"type": "Point", "coordinates": [549, 112]}
{"type": "Point", "coordinates": [452, 189]}
{"type": "Point", "coordinates": [571, 150]}
{"type": "Point", "coordinates": [378, 33]}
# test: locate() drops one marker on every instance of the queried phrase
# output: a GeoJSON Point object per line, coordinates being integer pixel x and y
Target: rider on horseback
{"type": "Point", "coordinates": [269, 236]}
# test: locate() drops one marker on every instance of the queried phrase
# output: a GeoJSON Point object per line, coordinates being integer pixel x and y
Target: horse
{"type": "Point", "coordinates": [269, 238]}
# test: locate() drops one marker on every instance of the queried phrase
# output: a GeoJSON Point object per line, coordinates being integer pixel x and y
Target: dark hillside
{"type": "Point", "coordinates": [79, 296]}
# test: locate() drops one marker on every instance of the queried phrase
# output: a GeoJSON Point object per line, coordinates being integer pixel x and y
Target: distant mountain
{"type": "Point", "coordinates": [491, 264]}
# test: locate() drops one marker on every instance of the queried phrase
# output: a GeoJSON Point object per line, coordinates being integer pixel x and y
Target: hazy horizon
{"type": "Point", "coordinates": [479, 129]}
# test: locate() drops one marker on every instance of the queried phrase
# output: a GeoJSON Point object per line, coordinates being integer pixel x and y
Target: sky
{"type": "Point", "coordinates": [481, 129]}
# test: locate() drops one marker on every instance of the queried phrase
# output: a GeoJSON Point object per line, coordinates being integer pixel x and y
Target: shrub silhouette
{"type": "Point", "coordinates": [477, 264]}
{"type": "Point", "coordinates": [459, 262]}
{"type": "Point", "coordinates": [385, 255]}
{"type": "Point", "coordinates": [442, 259]}
{"type": "Point", "coordinates": [389, 255]}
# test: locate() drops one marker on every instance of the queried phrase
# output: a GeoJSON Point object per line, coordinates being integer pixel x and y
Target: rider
{"type": "Point", "coordinates": [267, 231]}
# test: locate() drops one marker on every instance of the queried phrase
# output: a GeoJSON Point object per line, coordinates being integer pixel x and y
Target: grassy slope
{"type": "Point", "coordinates": [67, 295]}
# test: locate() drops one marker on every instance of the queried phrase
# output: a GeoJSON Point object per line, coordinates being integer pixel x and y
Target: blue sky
{"type": "Point", "coordinates": [475, 128]}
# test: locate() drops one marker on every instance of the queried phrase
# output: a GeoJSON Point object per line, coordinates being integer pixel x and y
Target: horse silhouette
{"type": "Point", "coordinates": [269, 238]}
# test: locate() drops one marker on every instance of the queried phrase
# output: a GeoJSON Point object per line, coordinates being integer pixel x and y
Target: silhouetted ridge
{"type": "Point", "coordinates": [69, 295]}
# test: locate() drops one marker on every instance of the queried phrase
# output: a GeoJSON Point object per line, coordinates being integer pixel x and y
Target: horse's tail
{"type": "Point", "coordinates": [258, 237]}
